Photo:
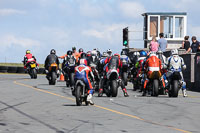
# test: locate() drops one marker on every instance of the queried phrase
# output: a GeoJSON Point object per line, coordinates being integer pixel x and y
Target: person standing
{"type": "Point", "coordinates": [186, 43]}
{"type": "Point", "coordinates": [154, 44]}
{"type": "Point", "coordinates": [162, 43]}
{"type": "Point", "coordinates": [194, 46]}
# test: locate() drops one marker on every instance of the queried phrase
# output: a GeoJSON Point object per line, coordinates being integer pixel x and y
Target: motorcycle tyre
{"type": "Point", "coordinates": [114, 88]}
{"type": "Point", "coordinates": [155, 87]}
{"type": "Point", "coordinates": [175, 88]}
{"type": "Point", "coordinates": [78, 96]}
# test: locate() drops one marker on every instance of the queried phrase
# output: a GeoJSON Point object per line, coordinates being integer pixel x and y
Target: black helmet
{"type": "Point", "coordinates": [80, 50]}
{"type": "Point", "coordinates": [69, 52]}
{"type": "Point", "coordinates": [53, 51]}
{"type": "Point", "coordinates": [73, 48]}
{"type": "Point", "coordinates": [123, 52]}
{"type": "Point", "coordinates": [83, 55]}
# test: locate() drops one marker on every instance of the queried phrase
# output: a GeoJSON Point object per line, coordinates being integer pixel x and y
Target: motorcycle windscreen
{"type": "Point", "coordinates": [114, 62]}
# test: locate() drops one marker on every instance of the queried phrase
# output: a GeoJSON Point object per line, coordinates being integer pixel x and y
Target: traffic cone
{"type": "Point", "coordinates": [62, 78]}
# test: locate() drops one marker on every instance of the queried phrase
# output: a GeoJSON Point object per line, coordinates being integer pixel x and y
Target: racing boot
{"type": "Point", "coordinates": [184, 93]}
{"type": "Point", "coordinates": [100, 92]}
{"type": "Point", "coordinates": [125, 92]}
{"type": "Point", "coordinates": [89, 99]}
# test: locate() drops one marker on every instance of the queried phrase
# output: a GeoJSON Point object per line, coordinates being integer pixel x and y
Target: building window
{"type": "Point", "coordinates": [166, 26]}
{"type": "Point", "coordinates": [179, 30]}
{"type": "Point", "coordinates": [153, 26]}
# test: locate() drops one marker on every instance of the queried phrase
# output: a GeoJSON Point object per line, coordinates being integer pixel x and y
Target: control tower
{"type": "Point", "coordinates": [172, 24]}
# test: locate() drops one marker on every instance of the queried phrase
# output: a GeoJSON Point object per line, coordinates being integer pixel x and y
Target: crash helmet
{"type": "Point", "coordinates": [83, 55]}
{"type": "Point", "coordinates": [28, 51]}
{"type": "Point", "coordinates": [73, 48]}
{"type": "Point", "coordinates": [83, 62]}
{"type": "Point", "coordinates": [143, 53]}
{"type": "Point", "coordinates": [109, 51]}
{"type": "Point", "coordinates": [117, 55]}
{"type": "Point", "coordinates": [123, 52]}
{"type": "Point", "coordinates": [53, 51]}
{"type": "Point", "coordinates": [80, 50]}
{"type": "Point", "coordinates": [174, 52]}
{"type": "Point", "coordinates": [69, 52]}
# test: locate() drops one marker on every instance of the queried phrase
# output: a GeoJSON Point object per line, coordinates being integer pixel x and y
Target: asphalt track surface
{"type": "Point", "coordinates": [32, 106]}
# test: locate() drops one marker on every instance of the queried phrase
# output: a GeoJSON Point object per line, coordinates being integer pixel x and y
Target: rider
{"type": "Point", "coordinates": [177, 62]}
{"type": "Point", "coordinates": [109, 52]}
{"type": "Point", "coordinates": [84, 72]}
{"type": "Point", "coordinates": [80, 51]}
{"type": "Point", "coordinates": [69, 58]}
{"type": "Point", "coordinates": [75, 54]}
{"type": "Point", "coordinates": [153, 63]}
{"type": "Point", "coordinates": [139, 64]}
{"type": "Point", "coordinates": [113, 61]}
{"type": "Point", "coordinates": [51, 58]}
{"type": "Point", "coordinates": [28, 58]}
{"type": "Point", "coordinates": [139, 67]}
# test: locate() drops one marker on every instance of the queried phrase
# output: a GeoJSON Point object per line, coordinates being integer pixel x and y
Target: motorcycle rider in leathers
{"type": "Point", "coordinates": [153, 63]}
{"type": "Point", "coordinates": [29, 58]}
{"type": "Point", "coordinates": [51, 58]}
{"type": "Point", "coordinates": [176, 62]}
{"type": "Point", "coordinates": [113, 61]}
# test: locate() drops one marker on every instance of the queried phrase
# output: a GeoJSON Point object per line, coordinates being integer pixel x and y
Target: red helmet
{"type": "Point", "coordinates": [117, 55]}
{"type": "Point", "coordinates": [83, 62]}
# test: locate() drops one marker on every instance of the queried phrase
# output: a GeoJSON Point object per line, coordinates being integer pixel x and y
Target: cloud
{"type": "Point", "coordinates": [11, 40]}
{"type": "Point", "coordinates": [111, 34]}
{"type": "Point", "coordinates": [90, 10]}
{"type": "Point", "coordinates": [131, 9]}
{"type": "Point", "coordinates": [184, 5]}
{"type": "Point", "coordinates": [6, 12]}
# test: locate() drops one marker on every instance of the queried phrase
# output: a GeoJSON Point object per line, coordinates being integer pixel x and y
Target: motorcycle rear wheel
{"type": "Point", "coordinates": [114, 88]}
{"type": "Point", "coordinates": [78, 93]}
{"type": "Point", "coordinates": [53, 78]}
{"type": "Point", "coordinates": [175, 88]}
{"type": "Point", "coordinates": [155, 87]}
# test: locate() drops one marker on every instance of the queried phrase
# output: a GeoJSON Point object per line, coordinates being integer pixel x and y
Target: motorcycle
{"type": "Point", "coordinates": [110, 87]}
{"type": "Point", "coordinates": [96, 76]}
{"type": "Point", "coordinates": [124, 70]}
{"type": "Point", "coordinates": [155, 84]}
{"type": "Point", "coordinates": [68, 70]}
{"type": "Point", "coordinates": [32, 69]}
{"type": "Point", "coordinates": [53, 74]}
{"type": "Point", "coordinates": [174, 83]}
{"type": "Point", "coordinates": [81, 92]}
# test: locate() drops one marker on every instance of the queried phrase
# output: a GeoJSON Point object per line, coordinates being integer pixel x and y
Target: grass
{"type": "Point", "coordinates": [18, 64]}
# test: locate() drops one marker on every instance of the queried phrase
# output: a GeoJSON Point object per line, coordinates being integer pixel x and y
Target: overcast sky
{"type": "Point", "coordinates": [40, 25]}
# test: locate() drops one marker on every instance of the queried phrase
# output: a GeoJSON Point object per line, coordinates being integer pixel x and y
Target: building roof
{"type": "Point", "coordinates": [164, 13]}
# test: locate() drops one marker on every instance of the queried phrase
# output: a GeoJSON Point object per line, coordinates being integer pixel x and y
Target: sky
{"type": "Point", "coordinates": [42, 25]}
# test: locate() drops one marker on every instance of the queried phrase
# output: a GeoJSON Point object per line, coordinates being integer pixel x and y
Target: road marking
{"type": "Point", "coordinates": [104, 108]}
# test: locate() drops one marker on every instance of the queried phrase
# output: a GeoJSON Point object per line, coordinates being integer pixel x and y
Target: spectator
{"type": "Point", "coordinates": [186, 43]}
{"type": "Point", "coordinates": [194, 46]}
{"type": "Point", "coordinates": [154, 44]}
{"type": "Point", "coordinates": [162, 43]}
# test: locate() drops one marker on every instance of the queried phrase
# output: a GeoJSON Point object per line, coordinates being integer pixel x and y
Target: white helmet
{"type": "Point", "coordinates": [174, 52]}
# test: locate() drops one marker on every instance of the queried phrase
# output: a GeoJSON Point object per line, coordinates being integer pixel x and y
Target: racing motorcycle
{"type": "Point", "coordinates": [174, 83]}
{"type": "Point", "coordinates": [68, 70]}
{"type": "Point", "coordinates": [81, 92]}
{"type": "Point", "coordinates": [124, 71]}
{"type": "Point", "coordinates": [155, 84]}
{"type": "Point", "coordinates": [32, 69]}
{"type": "Point", "coordinates": [111, 83]}
{"type": "Point", "coordinates": [53, 74]}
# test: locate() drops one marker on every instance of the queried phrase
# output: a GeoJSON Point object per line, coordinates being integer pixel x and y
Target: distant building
{"type": "Point", "coordinates": [172, 24]}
